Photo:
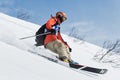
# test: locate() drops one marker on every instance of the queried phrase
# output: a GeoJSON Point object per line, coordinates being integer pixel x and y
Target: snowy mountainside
{"type": "Point", "coordinates": [13, 53]}
{"type": "Point", "coordinates": [21, 65]}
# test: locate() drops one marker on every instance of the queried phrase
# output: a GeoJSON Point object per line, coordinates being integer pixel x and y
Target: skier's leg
{"type": "Point", "coordinates": [59, 48]}
{"type": "Point", "coordinates": [50, 46]}
{"type": "Point", "coordinates": [62, 50]}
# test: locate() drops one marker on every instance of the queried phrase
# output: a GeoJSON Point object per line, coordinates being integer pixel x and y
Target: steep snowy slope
{"type": "Point", "coordinates": [21, 65]}
{"type": "Point", "coordinates": [13, 29]}
{"type": "Point", "coordinates": [18, 64]}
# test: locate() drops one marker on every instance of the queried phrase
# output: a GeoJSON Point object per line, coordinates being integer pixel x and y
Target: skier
{"type": "Point", "coordinates": [54, 40]}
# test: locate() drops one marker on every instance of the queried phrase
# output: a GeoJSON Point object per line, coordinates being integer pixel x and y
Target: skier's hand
{"type": "Point", "coordinates": [70, 49]}
{"type": "Point", "coordinates": [53, 31]}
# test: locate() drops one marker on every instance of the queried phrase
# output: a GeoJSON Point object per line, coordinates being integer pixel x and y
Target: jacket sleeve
{"type": "Point", "coordinates": [50, 23]}
{"type": "Point", "coordinates": [60, 38]}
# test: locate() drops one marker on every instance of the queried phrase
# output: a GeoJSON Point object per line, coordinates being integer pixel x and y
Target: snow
{"type": "Point", "coordinates": [18, 64]}
{"type": "Point", "coordinates": [21, 65]}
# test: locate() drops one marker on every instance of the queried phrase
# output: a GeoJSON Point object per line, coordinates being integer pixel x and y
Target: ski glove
{"type": "Point", "coordinates": [53, 31]}
{"type": "Point", "coordinates": [70, 49]}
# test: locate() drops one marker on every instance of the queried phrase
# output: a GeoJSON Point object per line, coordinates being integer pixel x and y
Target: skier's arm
{"type": "Point", "coordinates": [60, 38]}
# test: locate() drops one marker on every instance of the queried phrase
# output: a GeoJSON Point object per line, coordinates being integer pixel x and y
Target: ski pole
{"type": "Point", "coordinates": [35, 35]}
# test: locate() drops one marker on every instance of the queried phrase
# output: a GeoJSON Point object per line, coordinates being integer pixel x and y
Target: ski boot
{"type": "Point", "coordinates": [73, 62]}
{"type": "Point", "coordinates": [64, 59]}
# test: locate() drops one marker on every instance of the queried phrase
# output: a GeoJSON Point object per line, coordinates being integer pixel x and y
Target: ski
{"type": "Point", "coordinates": [89, 69]}
{"type": "Point", "coordinates": [76, 67]}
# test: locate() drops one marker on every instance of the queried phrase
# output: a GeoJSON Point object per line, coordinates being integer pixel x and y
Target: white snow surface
{"type": "Point", "coordinates": [16, 63]}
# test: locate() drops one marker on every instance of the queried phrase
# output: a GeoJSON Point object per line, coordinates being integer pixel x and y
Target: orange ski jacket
{"type": "Point", "coordinates": [51, 37]}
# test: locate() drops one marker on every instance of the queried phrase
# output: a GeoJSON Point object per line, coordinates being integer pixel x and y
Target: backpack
{"type": "Point", "coordinates": [40, 39]}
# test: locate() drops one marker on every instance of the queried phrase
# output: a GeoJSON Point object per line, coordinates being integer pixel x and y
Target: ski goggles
{"type": "Point", "coordinates": [63, 19]}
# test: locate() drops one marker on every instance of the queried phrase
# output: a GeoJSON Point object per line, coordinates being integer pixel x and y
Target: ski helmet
{"type": "Point", "coordinates": [61, 15]}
